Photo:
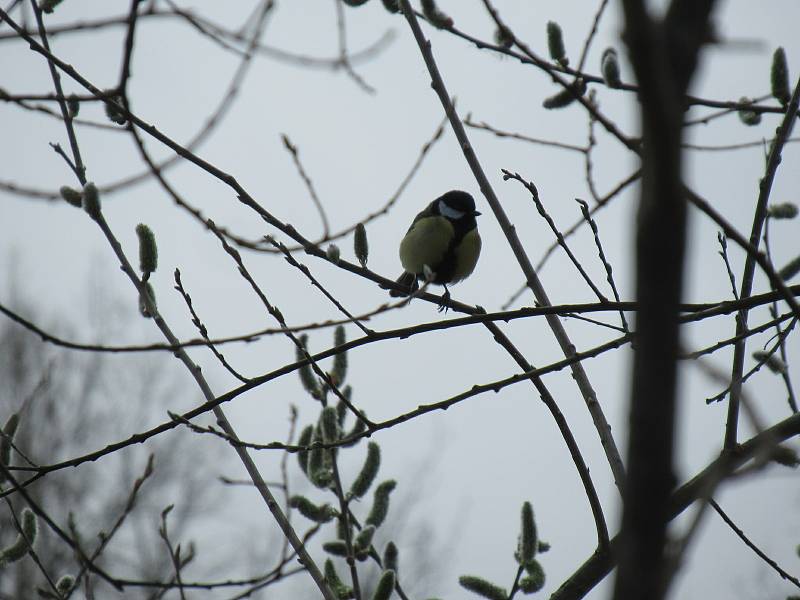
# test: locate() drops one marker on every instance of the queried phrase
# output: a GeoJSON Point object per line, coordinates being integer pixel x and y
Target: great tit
{"type": "Point", "coordinates": [444, 238]}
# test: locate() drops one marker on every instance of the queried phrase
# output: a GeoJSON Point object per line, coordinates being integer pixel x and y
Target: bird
{"type": "Point", "coordinates": [441, 246]}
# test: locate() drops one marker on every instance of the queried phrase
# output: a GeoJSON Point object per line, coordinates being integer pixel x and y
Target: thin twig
{"type": "Point", "coordinates": [587, 215]}
{"type": "Point", "coordinates": [125, 72]}
{"type": "Point", "coordinates": [345, 515]}
{"type": "Point", "coordinates": [515, 584]}
{"type": "Point", "coordinates": [617, 190]}
{"type": "Point", "coordinates": [80, 169]}
{"type": "Point", "coordinates": [591, 143]}
{"type": "Point", "coordinates": [752, 546]}
{"type": "Point", "coordinates": [211, 122]}
{"type": "Point", "coordinates": [732, 233]}
{"type": "Point", "coordinates": [305, 271]}
{"type": "Point", "coordinates": [723, 243]}
{"type": "Point", "coordinates": [787, 380]}
{"type": "Point", "coordinates": [518, 136]}
{"type": "Point", "coordinates": [586, 44]}
{"type": "Point", "coordinates": [287, 506]}
{"type": "Point", "coordinates": [760, 362]}
{"type": "Point", "coordinates": [344, 60]}
{"type": "Point", "coordinates": [18, 488]}
{"type": "Point", "coordinates": [287, 143]}
{"type": "Point", "coordinates": [759, 215]}
{"type": "Point", "coordinates": [740, 146]}
{"type": "Point", "coordinates": [277, 314]}
{"type": "Point", "coordinates": [174, 554]}
{"type": "Point", "coordinates": [529, 185]}
{"type": "Point", "coordinates": [203, 330]}
{"type": "Point", "coordinates": [109, 535]}
{"type": "Point", "coordinates": [383, 210]}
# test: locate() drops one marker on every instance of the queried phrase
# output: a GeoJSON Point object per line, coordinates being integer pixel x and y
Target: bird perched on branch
{"type": "Point", "coordinates": [441, 246]}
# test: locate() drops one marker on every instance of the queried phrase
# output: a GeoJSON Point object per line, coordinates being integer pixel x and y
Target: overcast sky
{"type": "Point", "coordinates": [481, 459]}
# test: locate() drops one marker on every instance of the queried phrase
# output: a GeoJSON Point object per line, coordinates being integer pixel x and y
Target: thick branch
{"type": "Point", "coordinates": [664, 56]}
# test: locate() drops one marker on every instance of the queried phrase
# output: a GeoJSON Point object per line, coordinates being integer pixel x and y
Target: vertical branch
{"type": "Point", "coordinates": [764, 189]}
{"type": "Point", "coordinates": [664, 56]}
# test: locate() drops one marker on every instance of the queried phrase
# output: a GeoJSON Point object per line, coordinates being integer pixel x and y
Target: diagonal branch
{"type": "Point", "coordinates": [588, 393]}
{"type": "Point", "coordinates": [599, 565]}
{"type": "Point", "coordinates": [765, 187]}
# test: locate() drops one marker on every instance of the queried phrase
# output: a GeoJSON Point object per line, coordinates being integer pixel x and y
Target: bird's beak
{"type": "Point", "coordinates": [476, 213]}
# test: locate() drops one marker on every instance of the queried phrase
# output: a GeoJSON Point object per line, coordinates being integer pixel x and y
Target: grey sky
{"type": "Point", "coordinates": [492, 452]}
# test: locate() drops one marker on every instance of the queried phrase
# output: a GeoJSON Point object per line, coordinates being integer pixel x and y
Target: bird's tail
{"type": "Point", "coordinates": [407, 281]}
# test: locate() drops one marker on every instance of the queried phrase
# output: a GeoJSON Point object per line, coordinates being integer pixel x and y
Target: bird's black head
{"type": "Point", "coordinates": [456, 205]}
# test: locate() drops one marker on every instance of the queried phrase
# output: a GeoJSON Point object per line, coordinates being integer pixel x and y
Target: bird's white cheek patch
{"type": "Point", "coordinates": [450, 213]}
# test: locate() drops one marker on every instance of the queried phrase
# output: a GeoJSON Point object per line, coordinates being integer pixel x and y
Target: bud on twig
{"type": "Point", "coordinates": [113, 108]}
{"type": "Point", "coordinates": [47, 6]}
{"type": "Point", "coordinates": [73, 105]}
{"type": "Point", "coordinates": [534, 581]}
{"type": "Point", "coordinates": [304, 440]}
{"type": "Point", "coordinates": [435, 17]}
{"type": "Point", "coordinates": [779, 77]}
{"type": "Point", "coordinates": [333, 253]}
{"type": "Point", "coordinates": [91, 200]}
{"type": "Point", "coordinates": [148, 252]}
{"type": "Point", "coordinates": [360, 245]}
{"type": "Point", "coordinates": [333, 580]}
{"type": "Point", "coordinates": [526, 550]}
{"type": "Point", "coordinates": [503, 37]}
{"type": "Point", "coordinates": [368, 472]}
{"type": "Point", "coordinates": [748, 117]}
{"type": "Point", "coordinates": [71, 195]}
{"type": "Point", "coordinates": [609, 67]}
{"type": "Point", "coordinates": [385, 586]}
{"type": "Point", "coordinates": [151, 295]}
{"type": "Point", "coordinates": [785, 210]}
{"type": "Point", "coordinates": [391, 557]}
{"type": "Point", "coordinates": [64, 584]}
{"type": "Point", "coordinates": [380, 503]}
{"type": "Point", "coordinates": [790, 270]}
{"type": "Point", "coordinates": [318, 514]}
{"type": "Point", "coordinates": [773, 362]}
{"type": "Point", "coordinates": [566, 96]}
{"type": "Point", "coordinates": [482, 587]}
{"type": "Point", "coordinates": [24, 541]}
{"type": "Point", "coordinates": [555, 43]}
{"type": "Point", "coordinates": [306, 374]}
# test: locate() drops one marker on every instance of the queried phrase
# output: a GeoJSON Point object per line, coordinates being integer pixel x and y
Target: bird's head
{"type": "Point", "coordinates": [456, 205]}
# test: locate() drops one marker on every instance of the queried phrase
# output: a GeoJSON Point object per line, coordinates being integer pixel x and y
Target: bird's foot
{"type": "Point", "coordinates": [445, 299]}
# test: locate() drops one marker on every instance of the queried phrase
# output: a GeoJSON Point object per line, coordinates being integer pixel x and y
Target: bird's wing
{"type": "Point", "coordinates": [429, 211]}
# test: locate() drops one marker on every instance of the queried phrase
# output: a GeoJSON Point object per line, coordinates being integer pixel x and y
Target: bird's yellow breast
{"type": "Point", "coordinates": [426, 244]}
{"type": "Point", "coordinates": [467, 255]}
